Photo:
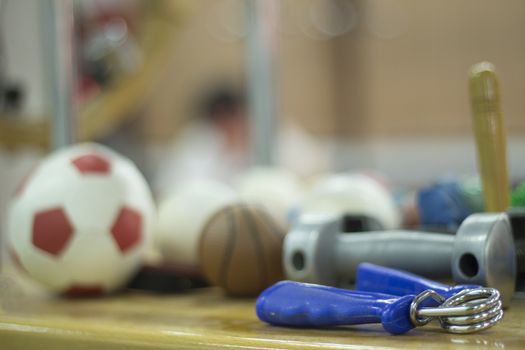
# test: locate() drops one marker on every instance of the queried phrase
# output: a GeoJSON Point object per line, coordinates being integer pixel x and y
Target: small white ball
{"type": "Point", "coordinates": [276, 189]}
{"type": "Point", "coordinates": [355, 193]}
{"type": "Point", "coordinates": [181, 218]}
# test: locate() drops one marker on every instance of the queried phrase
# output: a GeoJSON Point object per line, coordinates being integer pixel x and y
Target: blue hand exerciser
{"type": "Point", "coordinates": [461, 309]}
{"type": "Point", "coordinates": [380, 279]}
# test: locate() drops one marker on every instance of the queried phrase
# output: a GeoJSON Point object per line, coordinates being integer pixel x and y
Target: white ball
{"type": "Point", "coordinates": [83, 220]}
{"type": "Point", "coordinates": [182, 216]}
{"type": "Point", "coordinates": [357, 194]}
{"type": "Point", "coordinates": [276, 189]}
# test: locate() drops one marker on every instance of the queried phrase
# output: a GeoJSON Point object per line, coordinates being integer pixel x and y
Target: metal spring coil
{"type": "Point", "coordinates": [468, 311]}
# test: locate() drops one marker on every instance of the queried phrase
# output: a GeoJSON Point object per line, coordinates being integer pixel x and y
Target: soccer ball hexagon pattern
{"type": "Point", "coordinates": [82, 221]}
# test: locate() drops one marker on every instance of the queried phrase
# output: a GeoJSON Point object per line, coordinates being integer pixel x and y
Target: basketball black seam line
{"type": "Point", "coordinates": [250, 217]}
{"type": "Point", "coordinates": [272, 226]}
{"type": "Point", "coordinates": [223, 272]}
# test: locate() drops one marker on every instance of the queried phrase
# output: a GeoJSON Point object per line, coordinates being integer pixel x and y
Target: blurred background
{"type": "Point", "coordinates": [208, 88]}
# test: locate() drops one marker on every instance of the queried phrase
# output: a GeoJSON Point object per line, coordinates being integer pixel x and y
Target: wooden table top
{"type": "Point", "coordinates": [205, 318]}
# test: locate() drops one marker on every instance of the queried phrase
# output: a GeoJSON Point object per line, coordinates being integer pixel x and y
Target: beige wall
{"type": "Point", "coordinates": [401, 71]}
{"type": "Point", "coordinates": [415, 81]}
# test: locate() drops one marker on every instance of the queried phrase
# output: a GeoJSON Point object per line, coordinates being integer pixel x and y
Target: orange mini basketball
{"type": "Point", "coordinates": [240, 250]}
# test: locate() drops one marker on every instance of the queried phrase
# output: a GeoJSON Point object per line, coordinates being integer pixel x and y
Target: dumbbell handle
{"type": "Point", "coordinates": [422, 253]}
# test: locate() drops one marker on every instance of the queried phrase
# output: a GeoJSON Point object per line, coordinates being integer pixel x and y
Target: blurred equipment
{"type": "Point", "coordinates": [517, 221]}
{"type": "Point", "coordinates": [61, 50]}
{"type": "Point", "coordinates": [181, 219]}
{"type": "Point", "coordinates": [407, 201]}
{"type": "Point", "coordinates": [81, 223]}
{"type": "Point", "coordinates": [295, 304]}
{"type": "Point", "coordinates": [441, 205]}
{"type": "Point", "coordinates": [241, 249]}
{"type": "Point", "coordinates": [261, 19]}
{"type": "Point", "coordinates": [276, 189]}
{"type": "Point", "coordinates": [13, 97]}
{"type": "Point", "coordinates": [489, 130]}
{"type": "Point", "coordinates": [446, 204]}
{"type": "Point", "coordinates": [107, 44]}
{"type": "Point", "coordinates": [518, 196]}
{"type": "Point", "coordinates": [163, 279]}
{"type": "Point", "coordinates": [352, 194]}
{"type": "Point", "coordinates": [321, 249]}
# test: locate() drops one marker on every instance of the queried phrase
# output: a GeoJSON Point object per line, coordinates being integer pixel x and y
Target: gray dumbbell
{"type": "Point", "coordinates": [319, 249]}
{"type": "Point", "coordinates": [517, 221]}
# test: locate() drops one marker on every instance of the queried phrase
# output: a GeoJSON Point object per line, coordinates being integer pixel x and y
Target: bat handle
{"type": "Point", "coordinates": [489, 131]}
{"type": "Point", "coordinates": [296, 304]}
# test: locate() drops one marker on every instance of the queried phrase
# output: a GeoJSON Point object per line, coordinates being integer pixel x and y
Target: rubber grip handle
{"type": "Point", "coordinates": [375, 278]}
{"type": "Point", "coordinates": [296, 304]}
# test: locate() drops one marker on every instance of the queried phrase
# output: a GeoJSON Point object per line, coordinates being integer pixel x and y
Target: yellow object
{"type": "Point", "coordinates": [206, 319]}
{"type": "Point", "coordinates": [490, 136]}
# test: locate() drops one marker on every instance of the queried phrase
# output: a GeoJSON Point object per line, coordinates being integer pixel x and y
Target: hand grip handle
{"type": "Point", "coordinates": [296, 304]}
{"type": "Point", "coordinates": [375, 278]}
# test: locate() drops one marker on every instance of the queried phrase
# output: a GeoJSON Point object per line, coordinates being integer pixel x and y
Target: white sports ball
{"type": "Point", "coordinates": [181, 218]}
{"type": "Point", "coordinates": [82, 221]}
{"type": "Point", "coordinates": [352, 194]}
{"type": "Point", "coordinates": [277, 189]}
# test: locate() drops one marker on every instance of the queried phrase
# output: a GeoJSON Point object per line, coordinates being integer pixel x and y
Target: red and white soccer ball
{"type": "Point", "coordinates": [82, 221]}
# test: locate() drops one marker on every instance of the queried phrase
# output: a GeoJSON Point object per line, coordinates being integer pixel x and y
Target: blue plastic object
{"type": "Point", "coordinates": [296, 304]}
{"type": "Point", "coordinates": [442, 205]}
{"type": "Point", "coordinates": [374, 278]}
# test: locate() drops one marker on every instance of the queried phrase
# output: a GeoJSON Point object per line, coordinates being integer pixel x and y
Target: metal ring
{"type": "Point", "coordinates": [415, 315]}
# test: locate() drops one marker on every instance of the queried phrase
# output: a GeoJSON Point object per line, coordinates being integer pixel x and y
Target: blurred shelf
{"type": "Point", "coordinates": [105, 112]}
{"type": "Point", "coordinates": [206, 319]}
{"type": "Point", "coordinates": [202, 318]}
